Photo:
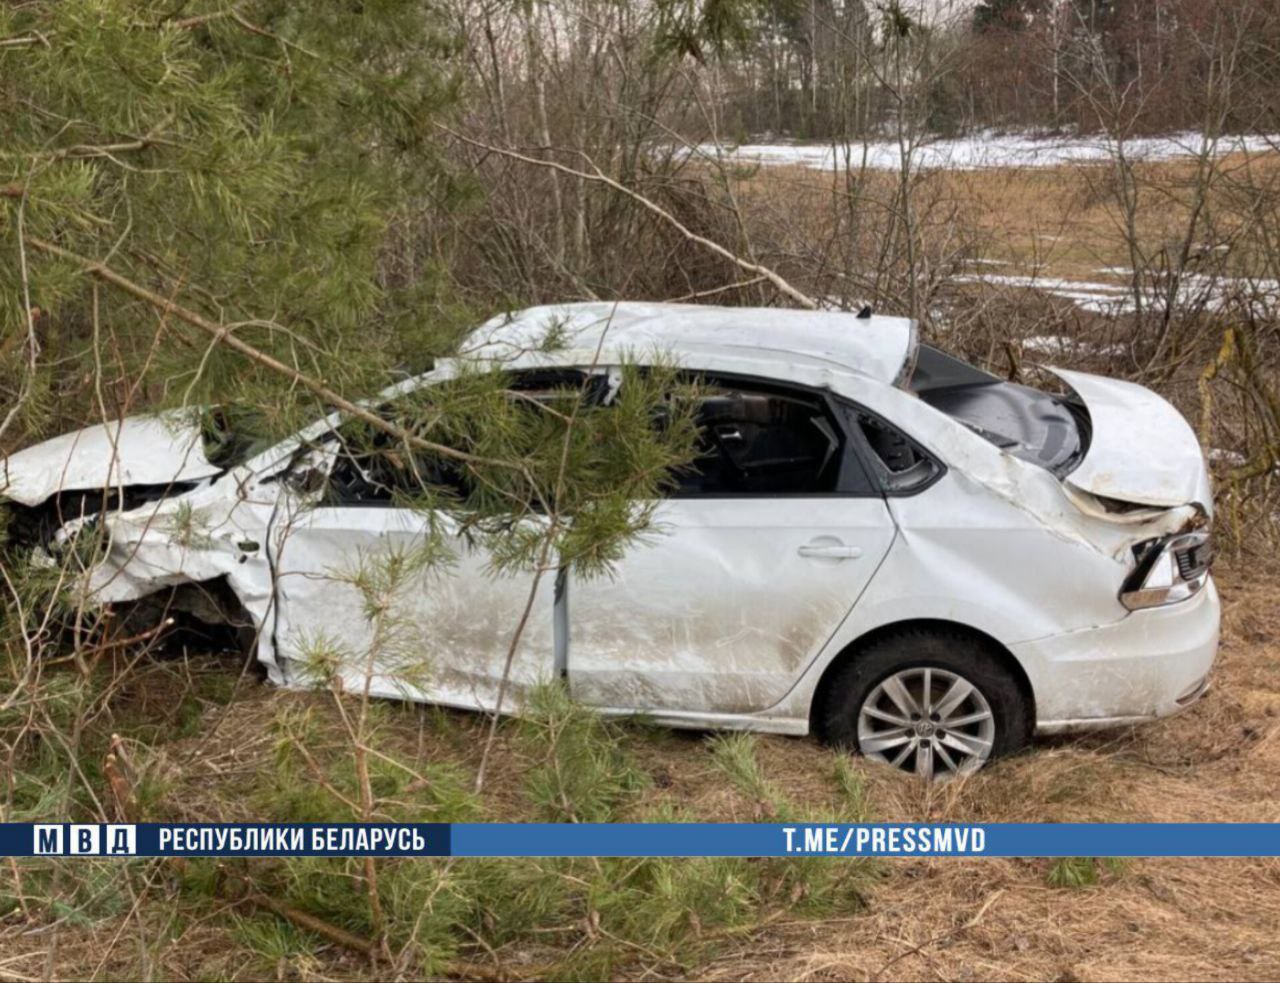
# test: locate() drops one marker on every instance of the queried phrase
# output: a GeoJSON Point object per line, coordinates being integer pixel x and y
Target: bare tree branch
{"type": "Point", "coordinates": [599, 177]}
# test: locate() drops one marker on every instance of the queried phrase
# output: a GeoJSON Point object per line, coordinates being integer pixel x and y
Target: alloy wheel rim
{"type": "Point", "coordinates": [927, 720]}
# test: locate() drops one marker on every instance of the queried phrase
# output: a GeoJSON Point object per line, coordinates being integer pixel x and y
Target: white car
{"type": "Point", "coordinates": [881, 544]}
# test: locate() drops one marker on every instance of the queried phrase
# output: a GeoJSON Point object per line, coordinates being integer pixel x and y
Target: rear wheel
{"type": "Point", "coordinates": [934, 703]}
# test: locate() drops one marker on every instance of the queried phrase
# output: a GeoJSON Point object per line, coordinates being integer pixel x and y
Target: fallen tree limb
{"type": "Point", "coordinates": [307, 921]}
{"type": "Point", "coordinates": [599, 177]}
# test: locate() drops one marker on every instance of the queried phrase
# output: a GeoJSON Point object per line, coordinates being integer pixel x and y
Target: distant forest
{"type": "Point", "coordinates": [823, 69]}
{"type": "Point", "coordinates": [814, 69]}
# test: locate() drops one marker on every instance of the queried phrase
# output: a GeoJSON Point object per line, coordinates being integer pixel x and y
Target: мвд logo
{"type": "Point", "coordinates": [84, 839]}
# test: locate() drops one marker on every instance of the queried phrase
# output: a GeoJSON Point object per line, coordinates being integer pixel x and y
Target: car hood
{"type": "Point", "coordinates": [156, 449]}
{"type": "Point", "coordinates": [1142, 450]}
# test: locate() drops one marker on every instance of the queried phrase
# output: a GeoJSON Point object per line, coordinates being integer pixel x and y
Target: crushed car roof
{"type": "Point", "coordinates": [880, 347]}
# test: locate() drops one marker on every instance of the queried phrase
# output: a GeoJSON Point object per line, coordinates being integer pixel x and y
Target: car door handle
{"type": "Point", "coordinates": [840, 552]}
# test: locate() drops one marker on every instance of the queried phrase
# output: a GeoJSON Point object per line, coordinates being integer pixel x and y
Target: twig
{"type": "Point", "coordinates": [26, 39]}
{"type": "Point", "coordinates": [304, 920]}
{"type": "Point", "coordinates": [121, 792]}
{"type": "Point", "coordinates": [33, 343]}
{"type": "Point", "coordinates": [222, 333]}
{"type": "Point", "coordinates": [941, 938]}
{"type": "Point", "coordinates": [739, 285]}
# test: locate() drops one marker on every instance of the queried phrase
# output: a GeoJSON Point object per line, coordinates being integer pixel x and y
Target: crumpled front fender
{"type": "Point", "coordinates": [194, 539]}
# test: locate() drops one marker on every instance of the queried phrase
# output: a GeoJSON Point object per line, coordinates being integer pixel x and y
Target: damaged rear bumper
{"type": "Point", "coordinates": [1150, 664]}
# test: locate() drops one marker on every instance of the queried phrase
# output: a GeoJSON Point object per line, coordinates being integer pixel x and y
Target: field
{"type": "Point", "coordinates": [1054, 222]}
{"type": "Point", "coordinates": [203, 738]}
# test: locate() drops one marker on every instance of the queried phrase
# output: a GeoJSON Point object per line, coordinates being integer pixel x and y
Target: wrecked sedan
{"type": "Point", "coordinates": [878, 543]}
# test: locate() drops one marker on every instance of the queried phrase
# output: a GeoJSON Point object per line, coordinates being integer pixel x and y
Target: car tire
{"type": "Point", "coordinates": [875, 705]}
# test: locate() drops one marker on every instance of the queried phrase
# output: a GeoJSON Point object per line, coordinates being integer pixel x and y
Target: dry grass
{"type": "Point", "coordinates": [923, 919]}
{"type": "Point", "coordinates": [1056, 221]}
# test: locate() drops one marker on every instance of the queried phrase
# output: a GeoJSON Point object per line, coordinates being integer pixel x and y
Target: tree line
{"type": "Point", "coordinates": [817, 69]}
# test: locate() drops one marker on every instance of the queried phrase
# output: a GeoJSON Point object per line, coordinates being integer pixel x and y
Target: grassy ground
{"type": "Point", "coordinates": [1053, 221]}
{"type": "Point", "coordinates": [209, 749]}
{"type": "Point", "coordinates": [1087, 920]}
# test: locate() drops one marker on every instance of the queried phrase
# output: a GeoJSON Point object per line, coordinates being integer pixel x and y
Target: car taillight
{"type": "Point", "coordinates": [1169, 570]}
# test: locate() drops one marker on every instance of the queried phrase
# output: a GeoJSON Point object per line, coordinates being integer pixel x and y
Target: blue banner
{"type": "Point", "coordinates": [640, 839]}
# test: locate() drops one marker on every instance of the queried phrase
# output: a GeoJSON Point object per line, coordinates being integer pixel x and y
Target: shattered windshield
{"type": "Point", "coordinates": [1036, 426]}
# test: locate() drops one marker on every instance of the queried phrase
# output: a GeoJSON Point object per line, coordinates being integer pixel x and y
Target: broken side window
{"type": "Point", "coordinates": [374, 468]}
{"type": "Point", "coordinates": [768, 442]}
{"type": "Point", "coordinates": [380, 470]}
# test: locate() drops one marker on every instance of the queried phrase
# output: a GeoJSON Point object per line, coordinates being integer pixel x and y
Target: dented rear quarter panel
{"type": "Point", "coordinates": [997, 545]}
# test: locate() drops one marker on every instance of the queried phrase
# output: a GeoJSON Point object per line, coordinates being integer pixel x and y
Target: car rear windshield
{"type": "Point", "coordinates": [1032, 425]}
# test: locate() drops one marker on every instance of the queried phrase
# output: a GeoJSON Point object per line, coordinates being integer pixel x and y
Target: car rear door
{"type": "Point", "coordinates": [748, 571]}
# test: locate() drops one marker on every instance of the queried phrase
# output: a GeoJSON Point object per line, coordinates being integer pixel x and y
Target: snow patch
{"type": "Point", "coordinates": [1194, 290]}
{"type": "Point", "coordinates": [1233, 458]}
{"type": "Point", "coordinates": [986, 149]}
{"type": "Point", "coordinates": [1061, 345]}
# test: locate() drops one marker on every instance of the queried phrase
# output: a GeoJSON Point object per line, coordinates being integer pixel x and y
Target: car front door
{"type": "Point", "coordinates": [397, 600]}
{"type": "Point", "coordinates": [750, 568]}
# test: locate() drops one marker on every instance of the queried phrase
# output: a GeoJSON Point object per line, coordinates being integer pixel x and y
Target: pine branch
{"type": "Point", "coordinates": [222, 334]}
